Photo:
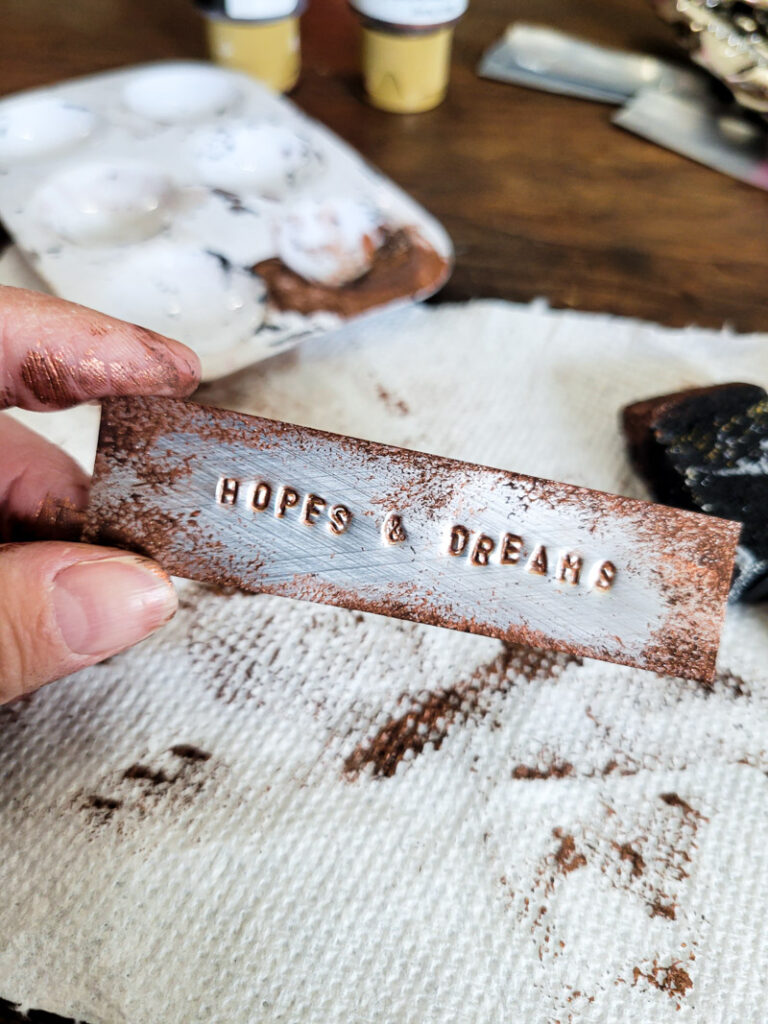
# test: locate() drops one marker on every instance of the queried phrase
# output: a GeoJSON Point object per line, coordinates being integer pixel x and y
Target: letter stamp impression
{"type": "Point", "coordinates": [393, 530]}
{"type": "Point", "coordinates": [478, 548]}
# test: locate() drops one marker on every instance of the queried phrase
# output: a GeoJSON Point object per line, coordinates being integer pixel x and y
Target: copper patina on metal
{"type": "Point", "coordinates": [268, 506]}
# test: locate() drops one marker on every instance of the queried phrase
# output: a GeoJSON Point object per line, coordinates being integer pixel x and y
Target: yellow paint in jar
{"type": "Point", "coordinates": [267, 50]}
{"type": "Point", "coordinates": [406, 72]}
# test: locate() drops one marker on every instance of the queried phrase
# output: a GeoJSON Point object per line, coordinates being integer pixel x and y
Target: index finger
{"type": "Point", "coordinates": [54, 354]}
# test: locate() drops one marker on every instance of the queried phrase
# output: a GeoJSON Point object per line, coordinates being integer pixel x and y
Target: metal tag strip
{"type": "Point", "coordinates": [269, 506]}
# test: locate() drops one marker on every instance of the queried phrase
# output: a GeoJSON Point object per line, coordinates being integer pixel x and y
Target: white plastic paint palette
{"type": "Point", "coordinates": [151, 193]}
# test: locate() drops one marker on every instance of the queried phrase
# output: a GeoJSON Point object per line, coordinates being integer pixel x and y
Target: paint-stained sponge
{"type": "Point", "coordinates": [706, 449]}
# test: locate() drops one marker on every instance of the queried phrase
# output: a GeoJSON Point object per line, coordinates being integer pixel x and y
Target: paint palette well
{"type": "Point", "coordinates": [192, 200]}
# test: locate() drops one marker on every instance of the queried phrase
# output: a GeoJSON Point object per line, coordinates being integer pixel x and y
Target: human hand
{"type": "Point", "coordinates": [65, 605]}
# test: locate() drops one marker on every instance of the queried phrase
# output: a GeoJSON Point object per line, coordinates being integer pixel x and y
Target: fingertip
{"type": "Point", "coordinates": [41, 487]}
{"type": "Point", "coordinates": [173, 369]}
{"type": "Point", "coordinates": [191, 369]}
{"type": "Point", "coordinates": [54, 354]}
{"type": "Point", "coordinates": [66, 606]}
{"type": "Point", "coordinates": [107, 604]}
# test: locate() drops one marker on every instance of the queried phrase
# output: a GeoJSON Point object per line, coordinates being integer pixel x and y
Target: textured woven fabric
{"type": "Point", "coordinates": [282, 812]}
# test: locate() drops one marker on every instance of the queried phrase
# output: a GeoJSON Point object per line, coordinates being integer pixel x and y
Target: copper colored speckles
{"type": "Point", "coordinates": [161, 368]}
{"type": "Point", "coordinates": [122, 360]}
{"type": "Point", "coordinates": [59, 519]}
{"type": "Point", "coordinates": [56, 518]}
{"type": "Point", "coordinates": [50, 378]}
{"type": "Point", "coordinates": [269, 506]}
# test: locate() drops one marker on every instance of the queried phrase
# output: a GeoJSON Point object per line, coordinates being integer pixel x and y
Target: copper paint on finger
{"type": "Point", "coordinates": [270, 506]}
{"type": "Point", "coordinates": [50, 377]}
{"type": "Point", "coordinates": [58, 519]}
{"type": "Point", "coordinates": [58, 378]}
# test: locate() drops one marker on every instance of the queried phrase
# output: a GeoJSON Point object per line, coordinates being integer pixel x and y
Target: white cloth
{"type": "Point", "coordinates": [368, 840]}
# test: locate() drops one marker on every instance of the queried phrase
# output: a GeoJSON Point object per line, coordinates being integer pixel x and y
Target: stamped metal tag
{"type": "Point", "coordinates": [269, 506]}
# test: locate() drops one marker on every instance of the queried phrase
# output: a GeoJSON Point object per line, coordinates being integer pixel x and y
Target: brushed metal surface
{"type": "Point", "coordinates": [269, 506]}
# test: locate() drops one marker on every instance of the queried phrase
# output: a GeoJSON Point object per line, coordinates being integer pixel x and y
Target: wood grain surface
{"type": "Point", "coordinates": [541, 194]}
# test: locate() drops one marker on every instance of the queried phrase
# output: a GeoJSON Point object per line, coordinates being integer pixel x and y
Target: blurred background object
{"type": "Point", "coordinates": [730, 39]}
{"type": "Point", "coordinates": [540, 196]}
{"type": "Point", "coordinates": [406, 51]}
{"type": "Point", "coordinates": [719, 136]}
{"type": "Point", "coordinates": [260, 37]}
{"type": "Point", "coordinates": [676, 106]}
{"type": "Point", "coordinates": [543, 58]}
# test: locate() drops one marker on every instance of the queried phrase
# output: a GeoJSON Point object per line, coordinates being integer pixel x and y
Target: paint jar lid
{"type": "Point", "coordinates": [250, 10]}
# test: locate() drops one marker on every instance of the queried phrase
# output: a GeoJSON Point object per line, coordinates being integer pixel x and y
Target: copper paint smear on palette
{"type": "Point", "coordinates": [404, 265]}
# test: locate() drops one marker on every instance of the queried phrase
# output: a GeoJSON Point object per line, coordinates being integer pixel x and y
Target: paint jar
{"type": "Point", "coordinates": [260, 37]}
{"type": "Point", "coordinates": [407, 51]}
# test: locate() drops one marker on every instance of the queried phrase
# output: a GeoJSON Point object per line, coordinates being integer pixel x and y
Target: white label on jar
{"type": "Point", "coordinates": [411, 12]}
{"type": "Point", "coordinates": [259, 10]}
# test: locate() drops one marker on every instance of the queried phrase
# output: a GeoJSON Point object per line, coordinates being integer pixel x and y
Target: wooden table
{"type": "Point", "coordinates": [541, 194]}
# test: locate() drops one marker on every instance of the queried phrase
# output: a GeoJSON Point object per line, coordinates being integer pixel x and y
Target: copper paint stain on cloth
{"type": "Point", "coordinates": [650, 869]}
{"type": "Point", "coordinates": [733, 685]}
{"type": "Point", "coordinates": [566, 856]}
{"type": "Point", "coordinates": [670, 978]}
{"type": "Point", "coordinates": [673, 800]}
{"type": "Point", "coordinates": [429, 717]}
{"type": "Point", "coordinates": [395, 405]}
{"type": "Point", "coordinates": [627, 851]}
{"type": "Point", "coordinates": [269, 506]}
{"type": "Point", "coordinates": [177, 777]}
{"type": "Point", "coordinates": [667, 910]}
{"type": "Point", "coordinates": [555, 770]}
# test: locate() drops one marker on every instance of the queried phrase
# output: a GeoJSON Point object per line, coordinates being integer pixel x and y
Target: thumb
{"type": "Point", "coordinates": [65, 606]}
